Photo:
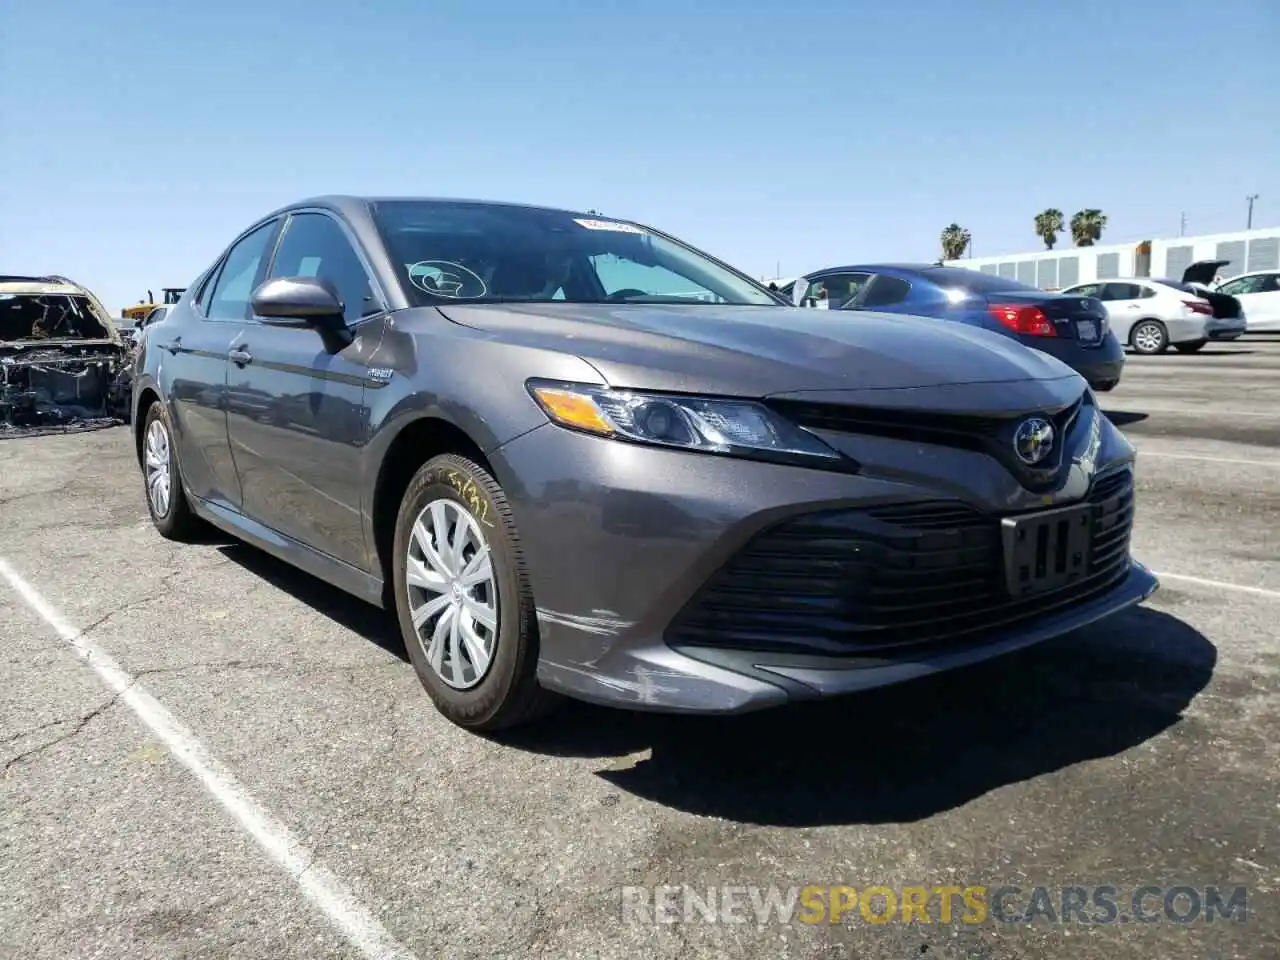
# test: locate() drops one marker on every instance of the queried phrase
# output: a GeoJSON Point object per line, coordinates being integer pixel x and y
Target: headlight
{"type": "Point", "coordinates": [734, 427]}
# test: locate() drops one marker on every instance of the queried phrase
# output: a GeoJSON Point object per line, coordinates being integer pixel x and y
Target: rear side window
{"type": "Point", "coordinates": [885, 291]}
{"type": "Point", "coordinates": [234, 286]}
{"type": "Point", "coordinates": [1121, 291]}
{"type": "Point", "coordinates": [314, 245]}
{"type": "Point", "coordinates": [1086, 290]}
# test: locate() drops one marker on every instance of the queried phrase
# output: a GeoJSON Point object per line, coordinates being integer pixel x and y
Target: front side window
{"type": "Point", "coordinates": [314, 245]}
{"type": "Point", "coordinates": [233, 288]}
{"type": "Point", "coordinates": [1254, 284]}
{"type": "Point", "coordinates": [459, 252]}
{"type": "Point", "coordinates": [835, 289]}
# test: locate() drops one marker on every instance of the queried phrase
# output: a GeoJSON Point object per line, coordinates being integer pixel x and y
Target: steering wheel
{"type": "Point", "coordinates": [625, 293]}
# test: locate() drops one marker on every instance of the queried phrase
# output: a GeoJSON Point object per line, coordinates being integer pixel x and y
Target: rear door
{"type": "Point", "coordinates": [1124, 304]}
{"type": "Point", "coordinates": [297, 424]}
{"type": "Point", "coordinates": [193, 367]}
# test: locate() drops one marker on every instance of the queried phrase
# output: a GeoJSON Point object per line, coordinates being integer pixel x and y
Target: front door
{"type": "Point", "coordinates": [296, 413]}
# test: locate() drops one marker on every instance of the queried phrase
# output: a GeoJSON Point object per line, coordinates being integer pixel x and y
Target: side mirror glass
{"type": "Point", "coordinates": [304, 301]}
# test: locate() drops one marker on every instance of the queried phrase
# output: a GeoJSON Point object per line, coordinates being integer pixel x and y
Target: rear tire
{"type": "Point", "coordinates": [162, 479]}
{"type": "Point", "coordinates": [475, 646]}
{"type": "Point", "coordinates": [1193, 347]}
{"type": "Point", "coordinates": [1149, 337]}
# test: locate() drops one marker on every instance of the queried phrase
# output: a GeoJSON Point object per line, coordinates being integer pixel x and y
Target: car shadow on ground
{"type": "Point", "coordinates": [375, 625]}
{"type": "Point", "coordinates": [908, 752]}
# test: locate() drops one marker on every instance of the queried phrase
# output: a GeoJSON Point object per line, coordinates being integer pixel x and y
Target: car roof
{"type": "Point", "coordinates": [351, 204]}
{"type": "Point", "coordinates": [875, 268]}
{"type": "Point", "coordinates": [39, 286]}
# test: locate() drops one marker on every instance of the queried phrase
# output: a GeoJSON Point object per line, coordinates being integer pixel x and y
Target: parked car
{"type": "Point", "coordinates": [1073, 329]}
{"type": "Point", "coordinates": [1152, 314]}
{"type": "Point", "coordinates": [575, 455]}
{"type": "Point", "coordinates": [1258, 294]}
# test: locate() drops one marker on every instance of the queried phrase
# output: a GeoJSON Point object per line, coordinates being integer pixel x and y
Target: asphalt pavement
{"type": "Point", "coordinates": [206, 754]}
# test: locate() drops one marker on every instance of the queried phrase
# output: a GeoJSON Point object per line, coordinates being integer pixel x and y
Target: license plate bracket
{"type": "Point", "coordinates": [1087, 330]}
{"type": "Point", "coordinates": [1047, 550]}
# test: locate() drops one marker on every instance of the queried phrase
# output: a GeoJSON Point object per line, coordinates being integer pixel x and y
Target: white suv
{"type": "Point", "coordinates": [1150, 315]}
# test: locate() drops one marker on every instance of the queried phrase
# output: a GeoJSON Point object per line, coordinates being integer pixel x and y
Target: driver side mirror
{"type": "Point", "coordinates": [300, 301]}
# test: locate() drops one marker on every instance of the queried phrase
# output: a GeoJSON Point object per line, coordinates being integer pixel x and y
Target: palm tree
{"type": "Point", "coordinates": [1087, 226]}
{"type": "Point", "coordinates": [955, 240]}
{"type": "Point", "coordinates": [1049, 224]}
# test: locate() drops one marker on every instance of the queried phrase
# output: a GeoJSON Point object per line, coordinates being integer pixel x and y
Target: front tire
{"type": "Point", "coordinates": [162, 480]}
{"type": "Point", "coordinates": [1195, 346]}
{"type": "Point", "coordinates": [462, 597]}
{"type": "Point", "coordinates": [1149, 337]}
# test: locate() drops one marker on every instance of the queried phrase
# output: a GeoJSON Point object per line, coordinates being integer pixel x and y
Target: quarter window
{"type": "Point", "coordinates": [234, 286]}
{"type": "Point", "coordinates": [314, 245]}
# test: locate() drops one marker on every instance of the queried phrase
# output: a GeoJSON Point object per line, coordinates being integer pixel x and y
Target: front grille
{"type": "Point", "coordinates": [850, 581]}
{"type": "Point", "coordinates": [983, 434]}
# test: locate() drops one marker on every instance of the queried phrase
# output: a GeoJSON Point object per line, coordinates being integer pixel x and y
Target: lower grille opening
{"type": "Point", "coordinates": [846, 582]}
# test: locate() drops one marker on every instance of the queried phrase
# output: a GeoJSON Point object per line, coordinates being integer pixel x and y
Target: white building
{"type": "Point", "coordinates": [1246, 251]}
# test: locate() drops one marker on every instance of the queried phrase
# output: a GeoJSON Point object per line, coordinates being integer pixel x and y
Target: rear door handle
{"type": "Point", "coordinates": [239, 356]}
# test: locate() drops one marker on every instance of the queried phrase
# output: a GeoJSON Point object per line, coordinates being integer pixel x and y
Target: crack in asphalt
{"type": "Point", "coordinates": [80, 725]}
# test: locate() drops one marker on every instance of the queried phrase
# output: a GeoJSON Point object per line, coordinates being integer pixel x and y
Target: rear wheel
{"type": "Point", "coordinates": [1149, 336]}
{"type": "Point", "coordinates": [1192, 347]}
{"type": "Point", "coordinates": [462, 597]}
{"type": "Point", "coordinates": [166, 497]}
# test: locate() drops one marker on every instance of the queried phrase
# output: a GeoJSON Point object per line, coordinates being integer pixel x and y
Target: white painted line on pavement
{"type": "Point", "coordinates": [1220, 584]}
{"type": "Point", "coordinates": [320, 886]}
{"type": "Point", "coordinates": [1208, 459]}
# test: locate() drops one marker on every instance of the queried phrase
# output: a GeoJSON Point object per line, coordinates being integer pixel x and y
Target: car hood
{"type": "Point", "coordinates": [760, 351]}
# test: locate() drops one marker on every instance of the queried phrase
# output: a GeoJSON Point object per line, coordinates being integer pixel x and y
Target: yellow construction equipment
{"type": "Point", "coordinates": [142, 309]}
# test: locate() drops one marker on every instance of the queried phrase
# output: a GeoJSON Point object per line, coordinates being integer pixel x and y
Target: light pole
{"type": "Point", "coordinates": [1250, 198]}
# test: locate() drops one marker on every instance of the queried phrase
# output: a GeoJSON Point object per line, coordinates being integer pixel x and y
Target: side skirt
{"type": "Point", "coordinates": [335, 572]}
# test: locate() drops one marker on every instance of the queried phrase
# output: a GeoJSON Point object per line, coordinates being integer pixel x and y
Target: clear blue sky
{"type": "Point", "coordinates": [136, 137]}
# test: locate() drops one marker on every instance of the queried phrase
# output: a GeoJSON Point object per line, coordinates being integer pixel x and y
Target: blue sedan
{"type": "Point", "coordinates": [1073, 329]}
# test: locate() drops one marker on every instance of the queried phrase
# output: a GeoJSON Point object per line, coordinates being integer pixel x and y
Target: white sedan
{"type": "Point", "coordinates": [1150, 314]}
{"type": "Point", "coordinates": [1259, 296]}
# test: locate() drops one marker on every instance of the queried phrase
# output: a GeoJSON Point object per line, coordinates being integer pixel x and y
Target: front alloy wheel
{"type": "Point", "coordinates": [463, 599]}
{"type": "Point", "coordinates": [452, 593]}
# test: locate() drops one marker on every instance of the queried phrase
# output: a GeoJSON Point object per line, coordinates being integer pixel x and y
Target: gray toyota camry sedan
{"type": "Point", "coordinates": [577, 456]}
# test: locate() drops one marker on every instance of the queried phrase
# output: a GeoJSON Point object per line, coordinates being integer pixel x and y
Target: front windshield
{"type": "Point", "coordinates": [453, 251]}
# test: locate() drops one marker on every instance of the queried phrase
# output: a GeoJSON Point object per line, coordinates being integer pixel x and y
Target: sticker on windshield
{"type": "Point", "coordinates": [443, 278]}
{"type": "Point", "coordinates": [613, 225]}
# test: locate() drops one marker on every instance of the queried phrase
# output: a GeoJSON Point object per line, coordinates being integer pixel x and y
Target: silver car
{"type": "Point", "coordinates": [1150, 314]}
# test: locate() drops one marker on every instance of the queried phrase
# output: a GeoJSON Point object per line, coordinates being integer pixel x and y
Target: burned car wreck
{"type": "Point", "coordinates": [63, 365]}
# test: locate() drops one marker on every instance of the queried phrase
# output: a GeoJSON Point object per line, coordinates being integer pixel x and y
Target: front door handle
{"type": "Point", "coordinates": [173, 346]}
{"type": "Point", "coordinates": [240, 356]}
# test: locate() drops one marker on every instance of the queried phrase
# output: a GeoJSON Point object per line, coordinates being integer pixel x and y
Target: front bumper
{"type": "Point", "coordinates": [620, 540]}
